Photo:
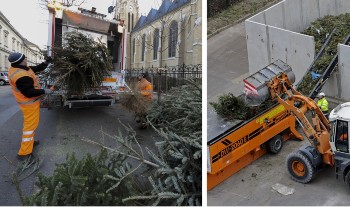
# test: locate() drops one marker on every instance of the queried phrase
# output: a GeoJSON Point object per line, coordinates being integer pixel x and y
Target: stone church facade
{"type": "Point", "coordinates": [168, 36]}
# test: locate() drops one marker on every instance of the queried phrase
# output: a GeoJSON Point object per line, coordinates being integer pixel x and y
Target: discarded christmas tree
{"type": "Point", "coordinates": [85, 182]}
{"type": "Point", "coordinates": [134, 101]}
{"type": "Point", "coordinates": [233, 108]}
{"type": "Point", "coordinates": [180, 111]}
{"type": "Point", "coordinates": [174, 168]}
{"type": "Point", "coordinates": [178, 121]}
{"type": "Point", "coordinates": [80, 65]}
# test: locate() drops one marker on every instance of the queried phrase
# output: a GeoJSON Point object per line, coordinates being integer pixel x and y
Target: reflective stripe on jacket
{"type": "Point", "coordinates": [16, 73]}
{"type": "Point", "coordinates": [323, 104]}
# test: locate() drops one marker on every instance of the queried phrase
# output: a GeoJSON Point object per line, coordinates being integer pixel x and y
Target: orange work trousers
{"type": "Point", "coordinates": [31, 116]}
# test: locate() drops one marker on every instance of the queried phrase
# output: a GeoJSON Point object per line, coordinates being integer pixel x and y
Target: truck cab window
{"type": "Point", "coordinates": [341, 138]}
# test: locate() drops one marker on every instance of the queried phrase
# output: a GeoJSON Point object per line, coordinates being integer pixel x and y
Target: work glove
{"type": "Point", "coordinates": [48, 59]}
{"type": "Point", "coordinates": [48, 91]}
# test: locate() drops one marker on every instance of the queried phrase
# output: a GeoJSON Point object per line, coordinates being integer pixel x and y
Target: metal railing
{"type": "Point", "coordinates": [163, 79]}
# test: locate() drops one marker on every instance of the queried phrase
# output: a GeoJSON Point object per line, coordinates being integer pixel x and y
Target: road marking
{"type": "Point", "coordinates": [7, 114]}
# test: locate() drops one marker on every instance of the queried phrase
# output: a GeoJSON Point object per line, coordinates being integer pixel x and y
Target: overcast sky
{"type": "Point", "coordinates": [31, 20]}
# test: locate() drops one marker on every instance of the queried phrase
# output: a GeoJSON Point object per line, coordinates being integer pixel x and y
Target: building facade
{"type": "Point", "coordinates": [168, 36]}
{"type": "Point", "coordinates": [12, 41]}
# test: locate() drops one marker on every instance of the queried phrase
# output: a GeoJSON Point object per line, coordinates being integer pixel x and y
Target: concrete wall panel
{"type": "Point", "coordinates": [257, 42]}
{"type": "Point", "coordinates": [275, 15]}
{"type": "Point", "coordinates": [342, 6]}
{"type": "Point", "coordinates": [344, 70]}
{"type": "Point", "coordinates": [258, 18]}
{"type": "Point", "coordinates": [293, 17]}
{"type": "Point", "coordinates": [327, 7]}
{"type": "Point", "coordinates": [330, 88]}
{"type": "Point", "coordinates": [294, 49]}
{"type": "Point", "coordinates": [268, 43]}
{"type": "Point", "coordinates": [310, 12]}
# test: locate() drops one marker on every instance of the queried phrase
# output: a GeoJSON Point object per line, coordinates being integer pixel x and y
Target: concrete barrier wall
{"type": "Point", "coordinates": [266, 44]}
{"type": "Point", "coordinates": [292, 48]}
{"type": "Point", "coordinates": [257, 46]}
{"type": "Point", "coordinates": [344, 70]}
{"type": "Point", "coordinates": [275, 34]}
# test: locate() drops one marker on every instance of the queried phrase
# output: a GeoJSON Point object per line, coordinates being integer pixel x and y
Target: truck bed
{"type": "Point", "coordinates": [219, 127]}
{"type": "Point", "coordinates": [232, 145]}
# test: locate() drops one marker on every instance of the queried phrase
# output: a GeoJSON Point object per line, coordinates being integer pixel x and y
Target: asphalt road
{"type": "Point", "coordinates": [60, 132]}
{"type": "Point", "coordinates": [252, 186]}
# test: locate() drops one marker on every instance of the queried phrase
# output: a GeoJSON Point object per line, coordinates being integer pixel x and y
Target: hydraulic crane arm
{"type": "Point", "coordinates": [318, 132]}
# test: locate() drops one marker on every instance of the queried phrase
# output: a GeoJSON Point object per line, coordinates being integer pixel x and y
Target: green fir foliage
{"type": "Point", "coordinates": [178, 179]}
{"type": "Point", "coordinates": [174, 174]}
{"type": "Point", "coordinates": [233, 108]}
{"type": "Point", "coordinates": [180, 111]}
{"type": "Point", "coordinates": [84, 182]}
{"type": "Point", "coordinates": [80, 65]}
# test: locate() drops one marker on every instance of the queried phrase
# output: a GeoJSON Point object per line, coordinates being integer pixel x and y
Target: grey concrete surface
{"type": "Point", "coordinates": [227, 62]}
{"type": "Point", "coordinates": [246, 189]}
{"type": "Point", "coordinates": [227, 52]}
{"type": "Point", "coordinates": [60, 132]}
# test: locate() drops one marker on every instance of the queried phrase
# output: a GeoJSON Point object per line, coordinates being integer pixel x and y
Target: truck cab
{"type": "Point", "coordinates": [339, 119]}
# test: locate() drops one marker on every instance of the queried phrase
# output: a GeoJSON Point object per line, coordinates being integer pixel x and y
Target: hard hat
{"type": "Point", "coordinates": [321, 94]}
{"type": "Point", "coordinates": [16, 58]}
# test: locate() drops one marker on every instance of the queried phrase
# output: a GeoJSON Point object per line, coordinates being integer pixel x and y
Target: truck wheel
{"type": "Point", "coordinates": [275, 144]}
{"type": "Point", "coordinates": [347, 180]}
{"type": "Point", "coordinates": [2, 82]}
{"type": "Point", "coordinates": [300, 167]}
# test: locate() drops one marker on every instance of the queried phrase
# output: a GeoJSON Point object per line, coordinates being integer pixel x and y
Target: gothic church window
{"type": "Point", "coordinates": [143, 47]}
{"type": "Point", "coordinates": [172, 39]}
{"type": "Point", "coordinates": [155, 44]}
{"type": "Point", "coordinates": [133, 49]}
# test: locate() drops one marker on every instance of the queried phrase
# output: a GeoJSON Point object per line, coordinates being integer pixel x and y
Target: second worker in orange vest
{"type": "Point", "coordinates": [144, 86]}
{"type": "Point", "coordinates": [26, 89]}
{"type": "Point", "coordinates": [146, 89]}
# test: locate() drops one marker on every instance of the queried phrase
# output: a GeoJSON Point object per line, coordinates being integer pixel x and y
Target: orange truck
{"type": "Point", "coordinates": [232, 145]}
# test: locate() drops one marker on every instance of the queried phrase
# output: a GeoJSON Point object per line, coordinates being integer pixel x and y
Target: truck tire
{"type": "Point", "coordinates": [275, 144]}
{"type": "Point", "coordinates": [2, 82]}
{"type": "Point", "coordinates": [347, 180]}
{"type": "Point", "coordinates": [300, 167]}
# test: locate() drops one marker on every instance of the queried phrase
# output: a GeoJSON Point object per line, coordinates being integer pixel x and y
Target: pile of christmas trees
{"type": "Point", "coordinates": [233, 108]}
{"type": "Point", "coordinates": [80, 65]}
{"type": "Point", "coordinates": [320, 29]}
{"type": "Point", "coordinates": [175, 168]}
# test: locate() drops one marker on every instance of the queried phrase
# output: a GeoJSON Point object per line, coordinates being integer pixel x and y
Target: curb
{"type": "Point", "coordinates": [242, 19]}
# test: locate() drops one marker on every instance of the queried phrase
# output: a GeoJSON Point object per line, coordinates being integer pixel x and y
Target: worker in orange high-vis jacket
{"type": "Point", "coordinates": [144, 86]}
{"type": "Point", "coordinates": [146, 90]}
{"type": "Point", "coordinates": [26, 89]}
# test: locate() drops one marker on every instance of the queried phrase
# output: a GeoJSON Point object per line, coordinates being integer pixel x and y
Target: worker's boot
{"type": "Point", "coordinates": [137, 119]}
{"type": "Point", "coordinates": [36, 143]}
{"type": "Point", "coordinates": [29, 157]}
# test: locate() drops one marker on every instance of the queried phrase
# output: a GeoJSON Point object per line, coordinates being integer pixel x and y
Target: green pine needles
{"type": "Point", "coordinates": [80, 64]}
{"type": "Point", "coordinates": [231, 107]}
{"type": "Point", "coordinates": [173, 166]}
{"type": "Point", "coordinates": [180, 111]}
{"type": "Point", "coordinates": [178, 179]}
{"type": "Point", "coordinates": [84, 182]}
